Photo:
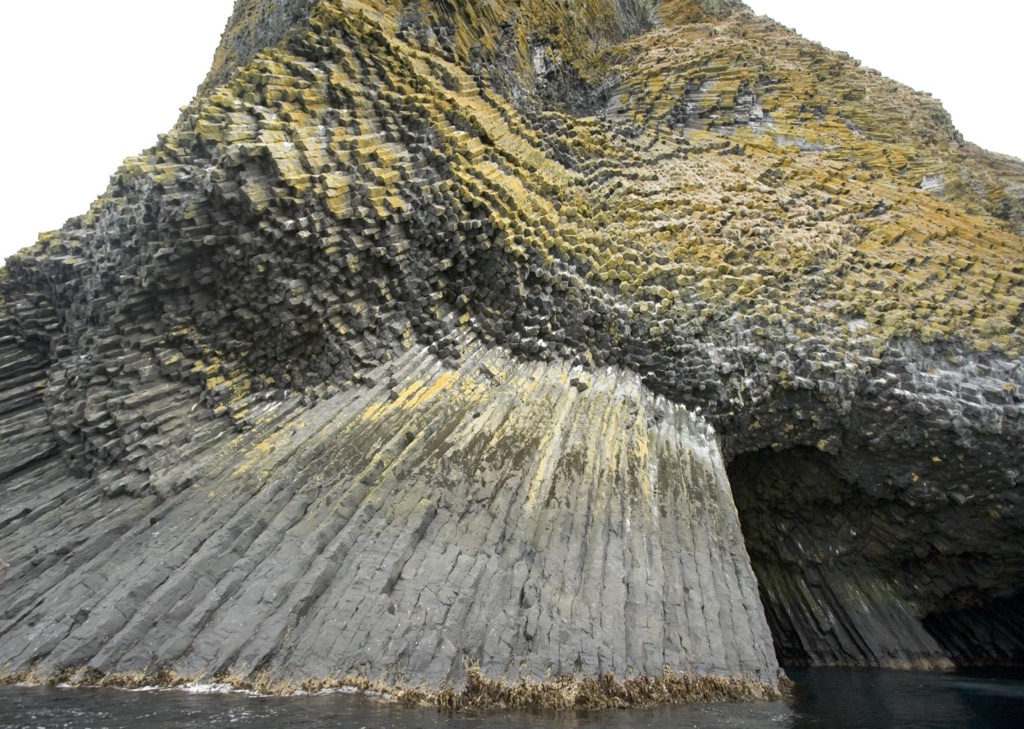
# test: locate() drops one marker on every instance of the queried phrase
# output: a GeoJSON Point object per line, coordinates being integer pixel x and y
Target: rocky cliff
{"type": "Point", "coordinates": [436, 332]}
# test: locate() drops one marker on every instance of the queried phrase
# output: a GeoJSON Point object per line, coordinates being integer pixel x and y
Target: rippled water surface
{"type": "Point", "coordinates": [826, 698]}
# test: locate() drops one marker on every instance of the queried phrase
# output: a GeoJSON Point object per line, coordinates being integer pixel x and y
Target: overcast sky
{"type": "Point", "coordinates": [106, 76]}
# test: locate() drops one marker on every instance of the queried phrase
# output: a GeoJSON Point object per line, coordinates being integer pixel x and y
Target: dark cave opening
{"type": "Point", "coordinates": [790, 504]}
{"type": "Point", "coordinates": [849, 575]}
{"type": "Point", "coordinates": [989, 634]}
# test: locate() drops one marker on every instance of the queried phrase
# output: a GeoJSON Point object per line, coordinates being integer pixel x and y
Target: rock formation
{"type": "Point", "coordinates": [393, 530]}
{"type": "Point", "coordinates": [436, 332]}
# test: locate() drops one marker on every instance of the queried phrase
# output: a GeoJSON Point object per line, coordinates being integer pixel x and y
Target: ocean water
{"type": "Point", "coordinates": [826, 698]}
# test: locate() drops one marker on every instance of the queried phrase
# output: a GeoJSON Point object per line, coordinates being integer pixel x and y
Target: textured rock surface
{"type": "Point", "coordinates": [679, 193]}
{"type": "Point", "coordinates": [393, 530]}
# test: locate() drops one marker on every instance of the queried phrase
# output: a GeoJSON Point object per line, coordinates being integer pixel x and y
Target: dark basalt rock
{"type": "Point", "coordinates": [390, 354]}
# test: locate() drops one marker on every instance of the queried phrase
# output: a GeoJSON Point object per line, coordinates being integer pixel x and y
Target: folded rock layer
{"type": "Point", "coordinates": [680, 203]}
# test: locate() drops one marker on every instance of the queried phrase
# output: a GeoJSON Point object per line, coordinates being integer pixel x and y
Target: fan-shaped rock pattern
{"type": "Point", "coordinates": [676, 195]}
{"type": "Point", "coordinates": [394, 531]}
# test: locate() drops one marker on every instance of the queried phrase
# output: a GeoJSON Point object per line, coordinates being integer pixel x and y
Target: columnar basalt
{"type": "Point", "coordinates": [677, 195]}
{"type": "Point", "coordinates": [396, 531]}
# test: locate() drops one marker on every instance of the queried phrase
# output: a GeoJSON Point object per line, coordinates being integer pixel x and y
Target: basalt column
{"type": "Point", "coordinates": [532, 519]}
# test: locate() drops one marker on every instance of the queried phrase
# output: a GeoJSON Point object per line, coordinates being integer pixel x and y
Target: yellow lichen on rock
{"type": "Point", "coordinates": [681, 192]}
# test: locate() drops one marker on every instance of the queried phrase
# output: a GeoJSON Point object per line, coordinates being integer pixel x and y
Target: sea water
{"type": "Point", "coordinates": [832, 698]}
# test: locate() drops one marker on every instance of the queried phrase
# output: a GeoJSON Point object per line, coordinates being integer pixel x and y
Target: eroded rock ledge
{"type": "Point", "coordinates": [580, 222]}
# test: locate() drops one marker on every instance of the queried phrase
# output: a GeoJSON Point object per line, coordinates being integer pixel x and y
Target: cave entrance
{"type": "Point", "coordinates": [848, 574]}
{"type": "Point", "coordinates": [797, 513]}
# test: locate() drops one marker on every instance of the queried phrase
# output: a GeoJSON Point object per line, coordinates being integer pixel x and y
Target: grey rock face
{"type": "Point", "coordinates": [492, 512]}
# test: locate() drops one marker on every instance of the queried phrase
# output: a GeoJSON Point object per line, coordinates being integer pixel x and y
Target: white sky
{"type": "Point", "coordinates": [87, 84]}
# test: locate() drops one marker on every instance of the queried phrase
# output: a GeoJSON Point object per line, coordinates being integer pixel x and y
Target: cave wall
{"type": "Point", "coordinates": [983, 634]}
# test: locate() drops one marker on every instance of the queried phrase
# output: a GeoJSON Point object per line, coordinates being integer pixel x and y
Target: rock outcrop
{"type": "Point", "coordinates": [390, 354]}
{"type": "Point", "coordinates": [394, 530]}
